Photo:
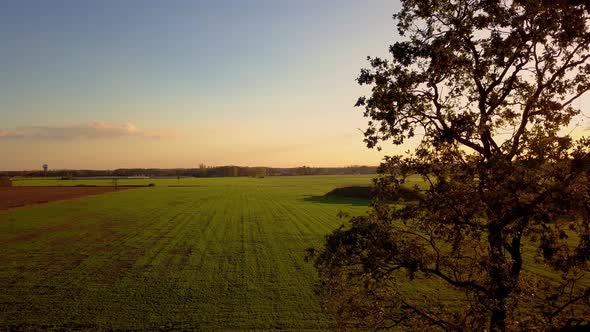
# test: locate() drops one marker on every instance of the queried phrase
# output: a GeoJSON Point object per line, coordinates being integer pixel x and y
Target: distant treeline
{"type": "Point", "coordinates": [202, 171]}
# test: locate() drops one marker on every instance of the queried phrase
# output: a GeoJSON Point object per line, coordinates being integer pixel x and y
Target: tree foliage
{"type": "Point", "coordinates": [500, 238]}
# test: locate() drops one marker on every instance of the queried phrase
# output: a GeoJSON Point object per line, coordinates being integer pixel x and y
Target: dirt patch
{"type": "Point", "coordinates": [12, 197]}
{"type": "Point", "coordinates": [5, 182]}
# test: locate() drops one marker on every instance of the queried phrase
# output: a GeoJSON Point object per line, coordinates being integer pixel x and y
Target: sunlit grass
{"type": "Point", "coordinates": [227, 254]}
{"type": "Point", "coordinates": [222, 254]}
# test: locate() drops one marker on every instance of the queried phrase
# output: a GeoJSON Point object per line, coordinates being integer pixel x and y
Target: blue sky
{"type": "Point", "coordinates": [219, 82]}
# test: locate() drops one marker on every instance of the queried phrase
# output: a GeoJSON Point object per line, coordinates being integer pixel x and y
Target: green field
{"type": "Point", "coordinates": [219, 254]}
{"type": "Point", "coordinates": [224, 254]}
{"type": "Point", "coordinates": [326, 182]}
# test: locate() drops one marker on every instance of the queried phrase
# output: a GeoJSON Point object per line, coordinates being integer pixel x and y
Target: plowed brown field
{"type": "Point", "coordinates": [11, 197]}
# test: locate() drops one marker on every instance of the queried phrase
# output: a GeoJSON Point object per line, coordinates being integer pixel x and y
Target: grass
{"type": "Point", "coordinates": [223, 254]}
{"type": "Point", "coordinates": [226, 254]}
{"type": "Point", "coordinates": [326, 181]}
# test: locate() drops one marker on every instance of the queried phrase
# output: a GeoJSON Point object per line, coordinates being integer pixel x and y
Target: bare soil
{"type": "Point", "coordinates": [12, 197]}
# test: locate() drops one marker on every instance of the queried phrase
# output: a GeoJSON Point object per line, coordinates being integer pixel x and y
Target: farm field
{"type": "Point", "coordinates": [12, 197]}
{"type": "Point", "coordinates": [223, 254]}
{"type": "Point", "coordinates": [319, 181]}
{"type": "Point", "coordinates": [195, 253]}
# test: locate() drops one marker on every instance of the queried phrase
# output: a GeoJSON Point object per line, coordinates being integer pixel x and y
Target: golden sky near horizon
{"type": "Point", "coordinates": [109, 85]}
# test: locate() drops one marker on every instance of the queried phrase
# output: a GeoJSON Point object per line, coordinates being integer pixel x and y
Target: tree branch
{"type": "Point", "coordinates": [462, 284]}
{"type": "Point", "coordinates": [586, 293]}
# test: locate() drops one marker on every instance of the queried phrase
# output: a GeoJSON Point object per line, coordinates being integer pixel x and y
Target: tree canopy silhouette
{"type": "Point", "coordinates": [500, 240]}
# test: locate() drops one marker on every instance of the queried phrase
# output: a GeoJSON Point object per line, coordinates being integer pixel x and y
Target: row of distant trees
{"type": "Point", "coordinates": [201, 171]}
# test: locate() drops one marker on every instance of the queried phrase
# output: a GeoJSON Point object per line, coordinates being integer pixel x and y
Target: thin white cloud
{"type": "Point", "coordinates": [93, 130]}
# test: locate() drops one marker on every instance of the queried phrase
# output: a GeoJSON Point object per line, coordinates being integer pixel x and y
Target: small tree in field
{"type": "Point", "coordinates": [500, 238]}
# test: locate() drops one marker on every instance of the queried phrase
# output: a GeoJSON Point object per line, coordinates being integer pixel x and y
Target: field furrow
{"type": "Point", "coordinates": [219, 255]}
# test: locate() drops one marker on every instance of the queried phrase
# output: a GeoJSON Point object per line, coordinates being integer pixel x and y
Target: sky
{"type": "Point", "coordinates": [111, 84]}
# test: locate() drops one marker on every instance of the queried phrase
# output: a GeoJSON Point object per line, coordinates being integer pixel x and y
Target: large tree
{"type": "Point", "coordinates": [500, 238]}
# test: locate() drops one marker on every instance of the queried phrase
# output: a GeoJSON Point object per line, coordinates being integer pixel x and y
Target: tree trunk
{"type": "Point", "coordinates": [498, 319]}
{"type": "Point", "coordinates": [498, 278]}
